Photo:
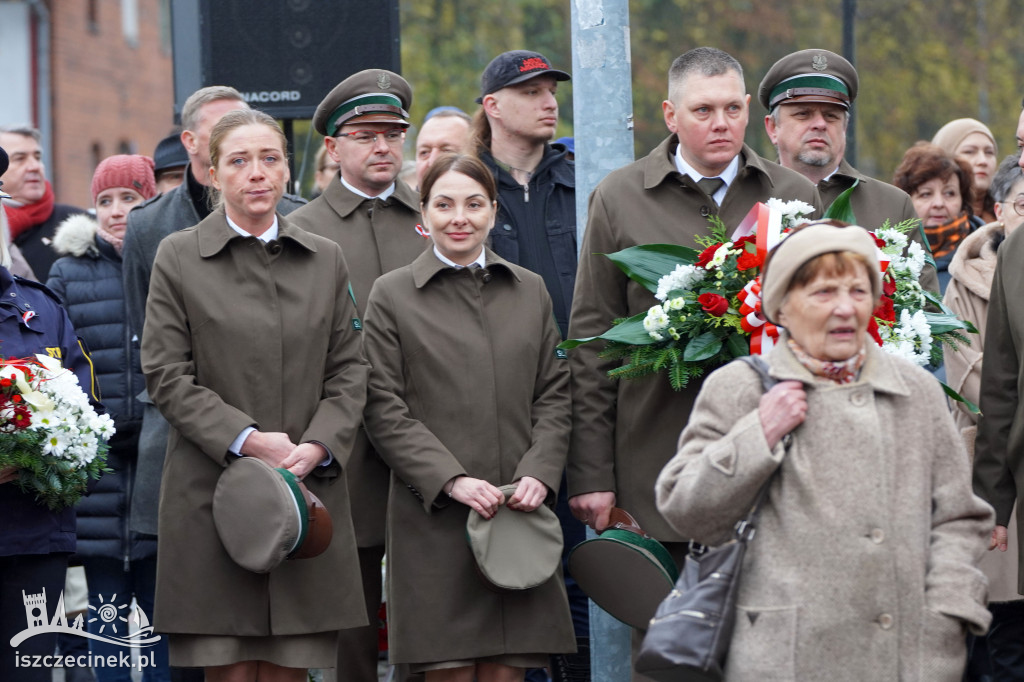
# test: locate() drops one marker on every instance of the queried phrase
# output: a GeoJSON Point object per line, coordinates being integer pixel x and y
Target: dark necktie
{"type": "Point", "coordinates": [710, 186]}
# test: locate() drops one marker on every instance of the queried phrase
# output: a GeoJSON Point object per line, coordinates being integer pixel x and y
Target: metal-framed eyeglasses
{"type": "Point", "coordinates": [1018, 204]}
{"type": "Point", "coordinates": [391, 136]}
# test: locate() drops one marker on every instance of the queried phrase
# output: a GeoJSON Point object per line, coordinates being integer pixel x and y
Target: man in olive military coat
{"type": "Point", "coordinates": [808, 95]}
{"type": "Point", "coordinates": [376, 220]}
{"type": "Point", "coordinates": [624, 432]}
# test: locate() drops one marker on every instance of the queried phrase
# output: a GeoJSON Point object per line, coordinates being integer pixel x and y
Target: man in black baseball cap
{"type": "Point", "coordinates": [808, 95]}
{"type": "Point", "coordinates": [536, 228]}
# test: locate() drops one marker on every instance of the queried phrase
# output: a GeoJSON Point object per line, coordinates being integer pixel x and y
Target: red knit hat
{"type": "Point", "coordinates": [133, 171]}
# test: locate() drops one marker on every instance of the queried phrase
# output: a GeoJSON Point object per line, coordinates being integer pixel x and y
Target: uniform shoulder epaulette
{"type": "Point", "coordinates": [31, 283]}
{"type": "Point", "coordinates": [295, 199]}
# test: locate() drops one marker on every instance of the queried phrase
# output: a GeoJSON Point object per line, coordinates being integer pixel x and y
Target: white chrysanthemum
{"type": "Point", "coordinates": [915, 259]}
{"type": "Point", "coordinates": [677, 303]}
{"type": "Point", "coordinates": [682, 278]}
{"type": "Point", "coordinates": [793, 212]}
{"type": "Point", "coordinates": [895, 241]}
{"type": "Point", "coordinates": [721, 254]}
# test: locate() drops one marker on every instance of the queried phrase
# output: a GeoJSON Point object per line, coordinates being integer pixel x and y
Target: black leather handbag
{"type": "Point", "coordinates": [688, 638]}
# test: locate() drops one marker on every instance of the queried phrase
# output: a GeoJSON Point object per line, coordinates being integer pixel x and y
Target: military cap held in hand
{"type": "Point", "coordinates": [370, 96]}
{"type": "Point", "coordinates": [809, 76]}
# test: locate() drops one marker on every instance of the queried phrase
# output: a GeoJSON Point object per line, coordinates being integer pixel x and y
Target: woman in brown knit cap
{"type": "Point", "coordinates": [970, 140]}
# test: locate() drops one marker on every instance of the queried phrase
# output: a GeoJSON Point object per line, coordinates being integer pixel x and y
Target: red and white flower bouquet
{"type": "Point", "coordinates": [709, 306]}
{"type": "Point", "coordinates": [49, 431]}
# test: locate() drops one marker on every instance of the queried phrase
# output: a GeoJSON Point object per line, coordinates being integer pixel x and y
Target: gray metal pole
{"type": "Point", "coordinates": [603, 128]}
{"type": "Point", "coordinates": [602, 95]}
{"type": "Point", "coordinates": [850, 52]}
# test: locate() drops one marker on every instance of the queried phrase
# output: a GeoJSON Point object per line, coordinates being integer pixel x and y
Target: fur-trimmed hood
{"type": "Point", "coordinates": [76, 236]}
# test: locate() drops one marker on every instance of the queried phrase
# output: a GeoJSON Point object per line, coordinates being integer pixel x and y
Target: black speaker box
{"type": "Point", "coordinates": [282, 55]}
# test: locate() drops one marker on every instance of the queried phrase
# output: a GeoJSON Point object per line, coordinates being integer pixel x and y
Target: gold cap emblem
{"type": "Point", "coordinates": [819, 62]}
{"type": "Point", "coordinates": [383, 81]}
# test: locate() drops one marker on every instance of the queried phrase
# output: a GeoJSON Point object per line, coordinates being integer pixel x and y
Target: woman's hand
{"type": "Point", "coordinates": [782, 409]}
{"type": "Point", "coordinates": [530, 494]}
{"type": "Point", "coordinates": [999, 538]}
{"type": "Point", "coordinates": [8, 474]}
{"type": "Point", "coordinates": [478, 495]}
{"type": "Point", "coordinates": [272, 447]}
{"type": "Point", "coordinates": [304, 458]}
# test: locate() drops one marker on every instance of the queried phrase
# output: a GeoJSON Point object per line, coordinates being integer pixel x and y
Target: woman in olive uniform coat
{"type": "Point", "coordinates": [250, 349]}
{"type": "Point", "coordinates": [467, 392]}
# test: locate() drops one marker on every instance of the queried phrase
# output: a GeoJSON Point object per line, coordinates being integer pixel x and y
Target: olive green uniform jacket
{"type": "Point", "coordinates": [999, 446]}
{"type": "Point", "coordinates": [874, 202]}
{"type": "Point", "coordinates": [624, 432]}
{"type": "Point", "coordinates": [376, 237]}
{"type": "Point", "coordinates": [241, 334]}
{"type": "Point", "coordinates": [466, 380]}
{"type": "Point", "coordinates": [863, 566]}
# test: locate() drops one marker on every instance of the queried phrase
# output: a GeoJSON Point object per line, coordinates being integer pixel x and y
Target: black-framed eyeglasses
{"type": "Point", "coordinates": [391, 136]}
{"type": "Point", "coordinates": [1018, 204]}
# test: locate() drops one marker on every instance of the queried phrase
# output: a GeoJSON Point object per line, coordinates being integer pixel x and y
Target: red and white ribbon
{"type": "Point", "coordinates": [762, 332]}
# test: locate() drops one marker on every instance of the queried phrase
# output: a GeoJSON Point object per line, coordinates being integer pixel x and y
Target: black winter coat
{"type": "Point", "coordinates": [536, 226]}
{"type": "Point", "coordinates": [88, 279]}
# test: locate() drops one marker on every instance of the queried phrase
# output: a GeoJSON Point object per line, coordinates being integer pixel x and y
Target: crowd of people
{"type": "Point", "coordinates": [393, 343]}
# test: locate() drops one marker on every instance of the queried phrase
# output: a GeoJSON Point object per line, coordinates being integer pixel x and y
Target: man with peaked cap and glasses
{"type": "Point", "coordinates": [376, 220]}
{"type": "Point", "coordinates": [808, 95]}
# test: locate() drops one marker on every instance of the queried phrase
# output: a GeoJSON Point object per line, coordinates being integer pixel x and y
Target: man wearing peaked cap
{"type": "Point", "coordinates": [376, 220]}
{"type": "Point", "coordinates": [808, 95]}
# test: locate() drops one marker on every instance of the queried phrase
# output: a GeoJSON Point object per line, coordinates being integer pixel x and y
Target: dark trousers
{"type": "Point", "coordinates": [358, 648]}
{"type": "Point", "coordinates": [999, 655]}
{"type": "Point", "coordinates": [28, 574]}
{"type": "Point", "coordinates": [110, 584]}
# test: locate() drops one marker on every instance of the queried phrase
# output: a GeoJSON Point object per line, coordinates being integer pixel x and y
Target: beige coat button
{"type": "Point", "coordinates": [877, 536]}
{"type": "Point", "coordinates": [885, 621]}
{"type": "Point", "coordinates": [859, 399]}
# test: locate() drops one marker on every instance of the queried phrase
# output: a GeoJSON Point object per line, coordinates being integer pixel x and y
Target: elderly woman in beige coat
{"type": "Point", "coordinates": [468, 392]}
{"type": "Point", "coordinates": [250, 349]}
{"type": "Point", "coordinates": [863, 566]}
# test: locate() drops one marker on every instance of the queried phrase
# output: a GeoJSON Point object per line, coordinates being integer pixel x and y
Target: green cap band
{"type": "Point", "coordinates": [809, 84]}
{"type": "Point", "coordinates": [371, 103]}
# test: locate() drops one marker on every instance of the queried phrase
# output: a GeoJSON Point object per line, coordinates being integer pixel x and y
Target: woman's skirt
{"type": "Point", "coordinates": [313, 650]}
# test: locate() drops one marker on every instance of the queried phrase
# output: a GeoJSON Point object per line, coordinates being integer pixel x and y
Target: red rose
{"type": "Point", "coordinates": [748, 260]}
{"type": "Point", "coordinates": [706, 255]}
{"type": "Point", "coordinates": [713, 304]}
{"type": "Point", "coordinates": [888, 285]}
{"type": "Point", "coordinates": [880, 243]}
{"type": "Point", "coordinates": [885, 310]}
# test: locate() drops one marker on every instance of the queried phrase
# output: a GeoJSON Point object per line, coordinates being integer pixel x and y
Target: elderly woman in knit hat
{"type": "Point", "coordinates": [87, 277]}
{"type": "Point", "coordinates": [970, 140]}
{"type": "Point", "coordinates": [863, 566]}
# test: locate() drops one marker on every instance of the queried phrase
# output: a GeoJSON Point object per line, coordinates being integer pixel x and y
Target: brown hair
{"type": "Point", "coordinates": [470, 166]}
{"type": "Point", "coordinates": [480, 127]}
{"type": "Point", "coordinates": [926, 161]}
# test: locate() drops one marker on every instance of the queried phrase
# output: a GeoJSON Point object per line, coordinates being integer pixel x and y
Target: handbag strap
{"type": "Point", "coordinates": [747, 526]}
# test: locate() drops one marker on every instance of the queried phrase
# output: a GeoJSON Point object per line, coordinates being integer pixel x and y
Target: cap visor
{"type": "Point", "coordinates": [817, 99]}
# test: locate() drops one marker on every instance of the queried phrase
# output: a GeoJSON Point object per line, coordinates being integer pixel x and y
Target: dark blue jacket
{"type": "Point", "coordinates": [89, 281]}
{"type": "Point", "coordinates": [27, 527]}
{"type": "Point", "coordinates": [536, 227]}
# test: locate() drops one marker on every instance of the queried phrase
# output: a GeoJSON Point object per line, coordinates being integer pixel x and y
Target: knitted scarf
{"type": "Point", "coordinates": [24, 217]}
{"type": "Point", "coordinates": [841, 372]}
{"type": "Point", "coordinates": [943, 239]}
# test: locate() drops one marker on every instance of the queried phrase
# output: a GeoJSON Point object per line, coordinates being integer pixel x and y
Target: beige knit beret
{"type": "Point", "coordinates": [803, 246]}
